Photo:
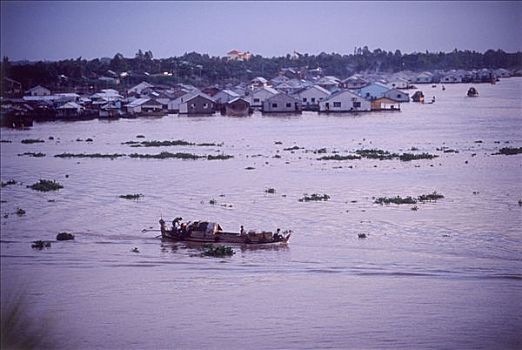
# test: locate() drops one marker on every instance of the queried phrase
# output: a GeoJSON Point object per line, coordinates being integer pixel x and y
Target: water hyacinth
{"type": "Point", "coordinates": [508, 151]}
{"type": "Point", "coordinates": [339, 157]}
{"type": "Point", "coordinates": [314, 197]}
{"type": "Point", "coordinates": [10, 182]}
{"type": "Point", "coordinates": [29, 141]}
{"type": "Point", "coordinates": [89, 155]}
{"type": "Point", "coordinates": [46, 186]}
{"type": "Point", "coordinates": [217, 251]}
{"type": "Point", "coordinates": [395, 200]}
{"type": "Point", "coordinates": [32, 154]}
{"type": "Point", "coordinates": [134, 196]}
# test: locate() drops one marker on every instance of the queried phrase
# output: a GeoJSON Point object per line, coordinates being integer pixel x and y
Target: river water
{"type": "Point", "coordinates": [447, 275]}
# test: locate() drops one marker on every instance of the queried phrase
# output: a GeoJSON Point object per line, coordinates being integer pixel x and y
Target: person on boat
{"type": "Point", "coordinates": [278, 235]}
{"type": "Point", "coordinates": [183, 229]}
{"type": "Point", "coordinates": [175, 224]}
{"type": "Point", "coordinates": [242, 231]}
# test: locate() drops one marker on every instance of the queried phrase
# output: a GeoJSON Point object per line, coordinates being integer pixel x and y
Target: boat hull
{"type": "Point", "coordinates": [222, 237]}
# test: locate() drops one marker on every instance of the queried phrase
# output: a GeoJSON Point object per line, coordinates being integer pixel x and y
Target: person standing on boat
{"type": "Point", "coordinates": [242, 231]}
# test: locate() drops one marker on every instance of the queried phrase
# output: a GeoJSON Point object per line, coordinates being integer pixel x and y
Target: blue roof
{"type": "Point", "coordinates": [374, 90]}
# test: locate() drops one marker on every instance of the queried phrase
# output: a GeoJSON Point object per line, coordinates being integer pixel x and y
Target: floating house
{"type": "Point", "coordinates": [424, 78]}
{"type": "Point", "coordinates": [329, 82]}
{"type": "Point", "coordinates": [353, 82]}
{"type": "Point", "coordinates": [281, 103]}
{"type": "Point", "coordinates": [311, 96]}
{"type": "Point", "coordinates": [260, 95]}
{"type": "Point", "coordinates": [238, 107]}
{"type": "Point", "coordinates": [199, 103]}
{"type": "Point", "coordinates": [69, 110]}
{"type": "Point", "coordinates": [225, 96]}
{"type": "Point", "coordinates": [144, 106]}
{"type": "Point", "coordinates": [345, 101]}
{"type": "Point", "coordinates": [397, 95]}
{"type": "Point", "coordinates": [182, 96]}
{"type": "Point", "coordinates": [385, 104]}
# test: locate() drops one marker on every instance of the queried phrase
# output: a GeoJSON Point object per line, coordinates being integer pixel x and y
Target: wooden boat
{"type": "Point", "coordinates": [472, 92]}
{"type": "Point", "coordinates": [211, 232]}
{"type": "Point", "coordinates": [418, 96]}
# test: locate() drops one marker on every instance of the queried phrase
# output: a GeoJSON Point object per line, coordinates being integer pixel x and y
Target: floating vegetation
{"type": "Point", "coordinates": [449, 150]}
{"type": "Point", "coordinates": [5, 141]}
{"type": "Point", "coordinates": [166, 155]}
{"type": "Point", "coordinates": [406, 157]}
{"type": "Point", "coordinates": [276, 156]}
{"type": "Point", "coordinates": [430, 197]}
{"type": "Point", "coordinates": [218, 251]}
{"type": "Point", "coordinates": [219, 157]}
{"type": "Point", "coordinates": [20, 212]}
{"type": "Point", "coordinates": [64, 236]}
{"type": "Point", "coordinates": [478, 141]}
{"type": "Point", "coordinates": [278, 143]}
{"type": "Point", "coordinates": [28, 141]}
{"type": "Point", "coordinates": [89, 155]}
{"type": "Point", "coordinates": [385, 155]}
{"type": "Point", "coordinates": [212, 202]}
{"type": "Point", "coordinates": [508, 151]}
{"type": "Point", "coordinates": [362, 235]}
{"type": "Point", "coordinates": [314, 197]}
{"type": "Point", "coordinates": [409, 200]}
{"type": "Point", "coordinates": [249, 168]}
{"type": "Point", "coordinates": [135, 196]}
{"type": "Point", "coordinates": [89, 140]}
{"type": "Point", "coordinates": [270, 190]}
{"type": "Point", "coordinates": [51, 137]}
{"type": "Point", "coordinates": [209, 144]}
{"type": "Point", "coordinates": [10, 182]}
{"type": "Point", "coordinates": [79, 140]}
{"type": "Point", "coordinates": [339, 157]}
{"type": "Point", "coordinates": [41, 244]}
{"type": "Point", "coordinates": [46, 186]}
{"type": "Point", "coordinates": [32, 154]}
{"type": "Point", "coordinates": [155, 143]}
{"type": "Point", "coordinates": [376, 154]}
{"type": "Point", "coordinates": [140, 136]}
{"type": "Point", "coordinates": [320, 150]}
{"type": "Point", "coordinates": [395, 200]}
{"type": "Point", "coordinates": [414, 149]}
{"type": "Point", "coordinates": [294, 148]}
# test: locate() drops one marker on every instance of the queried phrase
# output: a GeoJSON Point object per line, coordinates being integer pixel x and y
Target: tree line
{"type": "Point", "coordinates": [202, 69]}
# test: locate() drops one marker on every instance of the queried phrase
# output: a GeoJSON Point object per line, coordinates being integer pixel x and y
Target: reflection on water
{"type": "Point", "coordinates": [444, 275]}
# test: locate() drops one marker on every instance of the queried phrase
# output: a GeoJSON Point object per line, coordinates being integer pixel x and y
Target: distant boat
{"type": "Point", "coordinates": [472, 92]}
{"type": "Point", "coordinates": [418, 96]}
{"type": "Point", "coordinates": [210, 232]}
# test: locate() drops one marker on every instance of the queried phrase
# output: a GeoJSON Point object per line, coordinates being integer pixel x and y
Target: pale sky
{"type": "Point", "coordinates": [44, 30]}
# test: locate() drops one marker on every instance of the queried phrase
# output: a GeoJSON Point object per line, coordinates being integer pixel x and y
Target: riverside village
{"type": "Point", "coordinates": [117, 93]}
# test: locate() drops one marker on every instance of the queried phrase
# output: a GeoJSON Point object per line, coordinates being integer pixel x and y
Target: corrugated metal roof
{"type": "Point", "coordinates": [138, 102]}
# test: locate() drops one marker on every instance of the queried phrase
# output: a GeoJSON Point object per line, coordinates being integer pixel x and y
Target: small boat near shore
{"type": "Point", "coordinates": [211, 232]}
{"type": "Point", "coordinates": [472, 92]}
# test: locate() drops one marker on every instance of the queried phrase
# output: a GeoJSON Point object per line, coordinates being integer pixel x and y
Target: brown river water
{"type": "Point", "coordinates": [447, 275]}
